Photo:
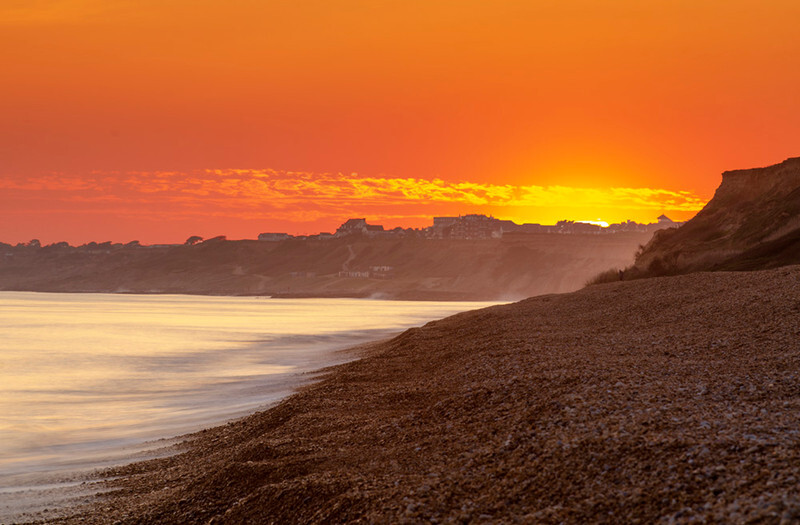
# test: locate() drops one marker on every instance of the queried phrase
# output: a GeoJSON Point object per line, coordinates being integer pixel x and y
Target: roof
{"type": "Point", "coordinates": [354, 222]}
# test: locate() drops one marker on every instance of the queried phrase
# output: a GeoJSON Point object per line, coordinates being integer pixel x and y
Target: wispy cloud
{"type": "Point", "coordinates": [303, 196]}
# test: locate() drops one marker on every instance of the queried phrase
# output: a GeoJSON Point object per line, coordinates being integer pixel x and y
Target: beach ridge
{"type": "Point", "coordinates": [658, 399]}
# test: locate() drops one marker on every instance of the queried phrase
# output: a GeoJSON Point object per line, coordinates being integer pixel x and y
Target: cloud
{"type": "Point", "coordinates": [304, 196]}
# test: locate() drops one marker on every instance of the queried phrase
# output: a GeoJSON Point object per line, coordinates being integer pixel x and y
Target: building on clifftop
{"type": "Point", "coordinates": [358, 226]}
{"type": "Point", "coordinates": [273, 237]}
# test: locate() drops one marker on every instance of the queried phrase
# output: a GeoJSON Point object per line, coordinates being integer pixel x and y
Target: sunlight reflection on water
{"type": "Point", "coordinates": [83, 375]}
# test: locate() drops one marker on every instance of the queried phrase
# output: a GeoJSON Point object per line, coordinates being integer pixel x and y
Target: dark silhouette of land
{"type": "Point", "coordinates": [514, 266]}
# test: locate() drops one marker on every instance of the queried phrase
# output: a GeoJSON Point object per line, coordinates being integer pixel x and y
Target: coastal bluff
{"type": "Point", "coordinates": [752, 222]}
{"type": "Point", "coordinates": [513, 267]}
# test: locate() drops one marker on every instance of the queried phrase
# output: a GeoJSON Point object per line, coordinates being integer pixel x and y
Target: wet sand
{"type": "Point", "coordinates": [662, 400]}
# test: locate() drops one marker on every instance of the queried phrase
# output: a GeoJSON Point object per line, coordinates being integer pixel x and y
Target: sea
{"type": "Point", "coordinates": [94, 380]}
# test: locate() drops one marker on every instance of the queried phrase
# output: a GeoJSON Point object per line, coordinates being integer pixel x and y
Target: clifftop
{"type": "Point", "coordinates": [753, 222]}
{"type": "Point", "coordinates": [757, 183]}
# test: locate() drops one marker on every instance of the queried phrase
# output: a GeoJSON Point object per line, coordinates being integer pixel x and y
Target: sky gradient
{"type": "Point", "coordinates": [156, 120]}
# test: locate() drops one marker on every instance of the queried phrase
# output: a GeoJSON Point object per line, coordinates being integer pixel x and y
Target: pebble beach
{"type": "Point", "coordinates": [667, 400]}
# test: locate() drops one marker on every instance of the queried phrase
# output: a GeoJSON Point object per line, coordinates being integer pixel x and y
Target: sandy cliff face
{"type": "Point", "coordinates": [752, 222]}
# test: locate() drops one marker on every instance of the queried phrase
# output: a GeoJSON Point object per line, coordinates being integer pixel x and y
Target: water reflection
{"type": "Point", "coordinates": [82, 375]}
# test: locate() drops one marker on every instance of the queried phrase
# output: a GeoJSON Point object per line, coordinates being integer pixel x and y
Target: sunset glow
{"type": "Point", "coordinates": [219, 201]}
{"type": "Point", "coordinates": [156, 120]}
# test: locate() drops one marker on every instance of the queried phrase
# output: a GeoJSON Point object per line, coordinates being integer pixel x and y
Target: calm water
{"type": "Point", "coordinates": [85, 378]}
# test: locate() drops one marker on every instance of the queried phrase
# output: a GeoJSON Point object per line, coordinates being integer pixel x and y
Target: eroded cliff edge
{"type": "Point", "coordinates": [752, 222]}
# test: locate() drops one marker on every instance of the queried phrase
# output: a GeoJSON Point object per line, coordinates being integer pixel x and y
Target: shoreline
{"type": "Point", "coordinates": [55, 490]}
{"type": "Point", "coordinates": [58, 490]}
{"type": "Point", "coordinates": [660, 399]}
{"type": "Point", "coordinates": [412, 295]}
{"type": "Point", "coordinates": [329, 335]}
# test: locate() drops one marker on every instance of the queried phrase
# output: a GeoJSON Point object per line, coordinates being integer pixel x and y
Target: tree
{"type": "Point", "coordinates": [194, 239]}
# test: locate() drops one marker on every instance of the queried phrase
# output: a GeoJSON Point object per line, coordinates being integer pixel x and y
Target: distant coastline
{"type": "Point", "coordinates": [511, 265]}
{"type": "Point", "coordinates": [465, 227]}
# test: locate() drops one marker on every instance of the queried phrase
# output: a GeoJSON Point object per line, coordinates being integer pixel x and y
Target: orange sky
{"type": "Point", "coordinates": [159, 119]}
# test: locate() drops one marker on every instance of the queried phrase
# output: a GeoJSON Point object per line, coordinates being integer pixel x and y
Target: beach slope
{"type": "Point", "coordinates": [665, 399]}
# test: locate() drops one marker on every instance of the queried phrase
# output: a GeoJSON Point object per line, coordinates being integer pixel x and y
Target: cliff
{"type": "Point", "coordinates": [753, 222]}
{"type": "Point", "coordinates": [355, 266]}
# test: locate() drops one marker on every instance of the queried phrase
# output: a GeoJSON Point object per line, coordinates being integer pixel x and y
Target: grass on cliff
{"type": "Point", "coordinates": [609, 276]}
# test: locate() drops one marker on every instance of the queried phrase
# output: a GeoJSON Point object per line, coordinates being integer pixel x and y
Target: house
{"type": "Point", "coordinates": [381, 272]}
{"type": "Point", "coordinates": [358, 226]}
{"type": "Point", "coordinates": [352, 226]}
{"type": "Point", "coordinates": [273, 237]}
{"type": "Point", "coordinates": [354, 273]}
{"type": "Point", "coordinates": [472, 226]}
{"type": "Point", "coordinates": [475, 226]}
{"type": "Point", "coordinates": [441, 222]}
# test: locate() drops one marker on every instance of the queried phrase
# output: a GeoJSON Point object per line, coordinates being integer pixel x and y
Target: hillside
{"type": "Point", "coordinates": [513, 267]}
{"type": "Point", "coordinates": [753, 222]}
